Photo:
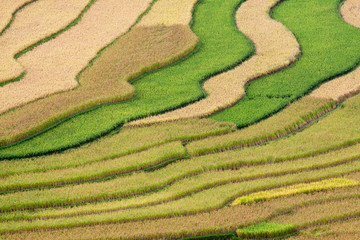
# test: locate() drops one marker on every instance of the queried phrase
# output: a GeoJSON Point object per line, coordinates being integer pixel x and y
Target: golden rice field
{"type": "Point", "coordinates": [180, 119]}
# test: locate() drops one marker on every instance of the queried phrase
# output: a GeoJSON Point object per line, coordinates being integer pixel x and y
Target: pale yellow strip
{"type": "Point", "coordinates": [349, 84]}
{"type": "Point", "coordinates": [296, 189]}
{"type": "Point", "coordinates": [276, 47]}
{"type": "Point", "coordinates": [52, 67]}
{"type": "Point", "coordinates": [31, 24]}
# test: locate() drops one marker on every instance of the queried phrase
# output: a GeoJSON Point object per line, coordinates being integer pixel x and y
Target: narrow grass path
{"type": "Point", "coordinates": [213, 23]}
{"type": "Point", "coordinates": [317, 64]}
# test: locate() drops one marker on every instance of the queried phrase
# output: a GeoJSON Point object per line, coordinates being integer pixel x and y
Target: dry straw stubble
{"type": "Point", "coordinates": [8, 8]}
{"type": "Point", "coordinates": [31, 24]}
{"type": "Point", "coordinates": [139, 51]}
{"type": "Point", "coordinates": [53, 66]}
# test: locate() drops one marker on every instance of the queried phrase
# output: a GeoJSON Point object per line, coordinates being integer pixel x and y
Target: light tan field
{"type": "Point", "coordinates": [106, 80]}
{"type": "Point", "coordinates": [7, 9]}
{"type": "Point", "coordinates": [32, 24]}
{"type": "Point", "coordinates": [276, 47]}
{"type": "Point", "coordinates": [52, 67]}
{"type": "Point", "coordinates": [142, 49]}
{"type": "Point", "coordinates": [349, 84]}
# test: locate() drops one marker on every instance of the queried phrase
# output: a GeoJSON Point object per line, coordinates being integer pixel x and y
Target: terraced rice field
{"type": "Point", "coordinates": [180, 119]}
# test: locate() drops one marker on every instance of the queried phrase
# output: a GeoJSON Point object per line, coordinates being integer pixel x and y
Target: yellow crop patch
{"type": "Point", "coordinates": [296, 189]}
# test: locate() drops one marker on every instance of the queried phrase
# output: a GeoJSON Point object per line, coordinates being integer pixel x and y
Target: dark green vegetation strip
{"type": "Point", "coordinates": [266, 230]}
{"type": "Point", "coordinates": [330, 48]}
{"type": "Point", "coordinates": [44, 40]}
{"type": "Point", "coordinates": [221, 47]}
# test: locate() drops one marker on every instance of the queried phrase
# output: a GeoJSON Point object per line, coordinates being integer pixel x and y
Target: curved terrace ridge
{"type": "Point", "coordinates": [151, 44]}
{"type": "Point", "coordinates": [219, 38]}
{"type": "Point", "coordinates": [276, 48]}
{"type": "Point", "coordinates": [52, 67]}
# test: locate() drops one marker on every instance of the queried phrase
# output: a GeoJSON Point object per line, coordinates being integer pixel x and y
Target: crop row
{"type": "Point", "coordinates": [219, 221]}
{"type": "Point", "coordinates": [213, 23]}
{"type": "Point", "coordinates": [203, 167]}
{"type": "Point", "coordinates": [295, 116]}
{"type": "Point", "coordinates": [128, 141]}
{"type": "Point", "coordinates": [206, 200]}
{"type": "Point", "coordinates": [184, 169]}
{"type": "Point", "coordinates": [143, 49]}
{"type": "Point", "coordinates": [226, 89]}
{"type": "Point", "coordinates": [284, 149]}
{"type": "Point", "coordinates": [146, 159]}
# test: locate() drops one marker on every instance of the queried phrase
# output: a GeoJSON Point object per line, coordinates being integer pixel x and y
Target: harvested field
{"type": "Point", "coordinates": [219, 38]}
{"type": "Point", "coordinates": [8, 10]}
{"type": "Point", "coordinates": [72, 50]}
{"type": "Point", "coordinates": [35, 22]}
{"type": "Point", "coordinates": [227, 88]}
{"type": "Point", "coordinates": [106, 80]}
